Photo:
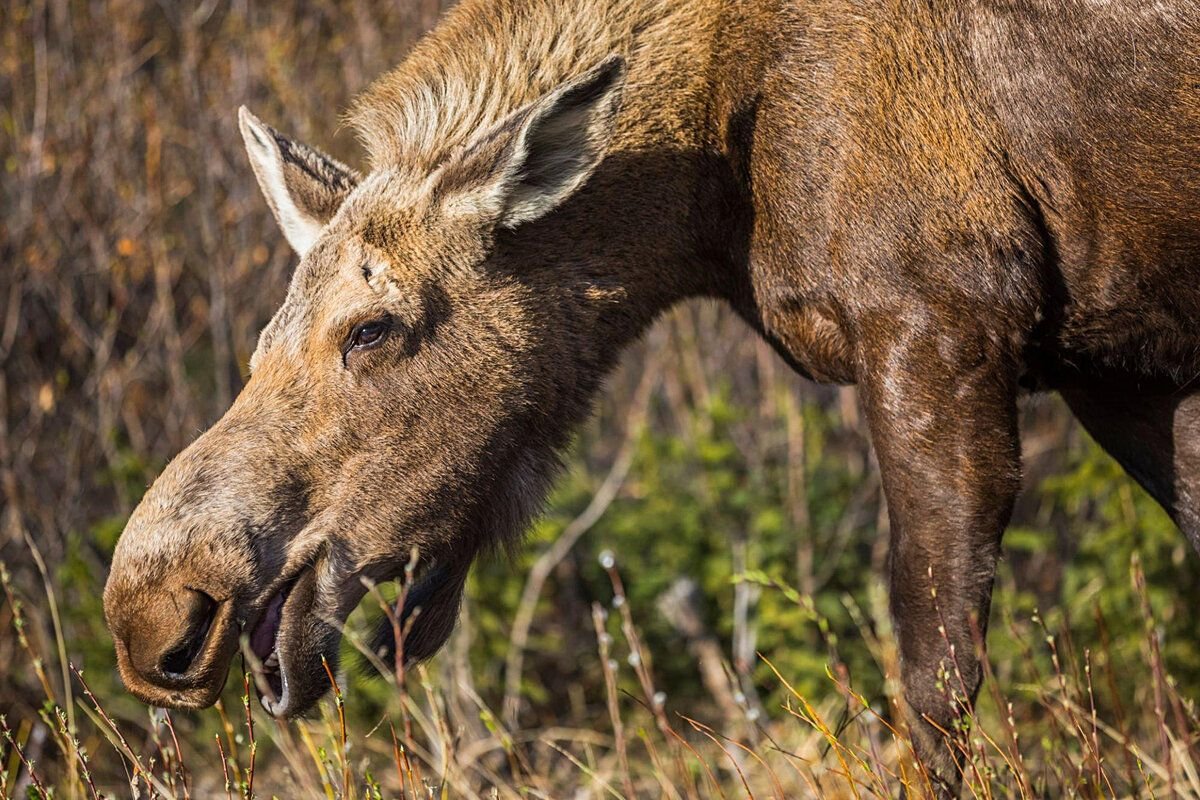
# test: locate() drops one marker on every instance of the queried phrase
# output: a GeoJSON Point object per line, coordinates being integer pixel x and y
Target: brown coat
{"type": "Point", "coordinates": [943, 202]}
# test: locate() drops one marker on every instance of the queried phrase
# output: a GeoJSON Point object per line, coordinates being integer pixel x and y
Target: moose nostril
{"type": "Point", "coordinates": [176, 661]}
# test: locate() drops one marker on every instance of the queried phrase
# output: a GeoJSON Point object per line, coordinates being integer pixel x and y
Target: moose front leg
{"type": "Point", "coordinates": [942, 410]}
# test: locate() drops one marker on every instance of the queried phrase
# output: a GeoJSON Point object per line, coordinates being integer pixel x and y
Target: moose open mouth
{"type": "Point", "coordinates": [271, 641]}
{"type": "Point", "coordinates": [296, 638]}
{"type": "Point", "coordinates": [264, 641]}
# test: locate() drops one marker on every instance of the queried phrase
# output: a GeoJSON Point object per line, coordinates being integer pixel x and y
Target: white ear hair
{"type": "Point", "coordinates": [266, 158]}
{"type": "Point", "coordinates": [303, 186]}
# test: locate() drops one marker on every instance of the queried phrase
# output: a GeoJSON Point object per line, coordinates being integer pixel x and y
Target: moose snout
{"type": "Point", "coordinates": [185, 575]}
{"type": "Point", "coordinates": [171, 643]}
{"type": "Point", "coordinates": [170, 608]}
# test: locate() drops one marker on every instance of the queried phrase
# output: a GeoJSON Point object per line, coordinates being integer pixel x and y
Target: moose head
{"type": "Point", "coordinates": [412, 391]}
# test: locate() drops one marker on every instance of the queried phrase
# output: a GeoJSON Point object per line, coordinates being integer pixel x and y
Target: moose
{"type": "Point", "coordinates": [948, 204]}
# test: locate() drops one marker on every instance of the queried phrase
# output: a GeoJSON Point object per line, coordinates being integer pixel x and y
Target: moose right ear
{"type": "Point", "coordinates": [538, 156]}
{"type": "Point", "coordinates": [303, 186]}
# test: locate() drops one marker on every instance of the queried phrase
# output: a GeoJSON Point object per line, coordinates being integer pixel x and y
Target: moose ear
{"type": "Point", "coordinates": [539, 155]}
{"type": "Point", "coordinates": [303, 186]}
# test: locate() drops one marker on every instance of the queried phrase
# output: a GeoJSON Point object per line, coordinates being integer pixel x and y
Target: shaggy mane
{"type": "Point", "coordinates": [487, 58]}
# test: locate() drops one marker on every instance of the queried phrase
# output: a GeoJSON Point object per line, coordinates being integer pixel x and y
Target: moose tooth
{"type": "Point", "coordinates": [272, 660]}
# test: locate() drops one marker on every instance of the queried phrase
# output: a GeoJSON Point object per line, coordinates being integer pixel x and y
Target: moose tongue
{"type": "Point", "coordinates": [262, 639]}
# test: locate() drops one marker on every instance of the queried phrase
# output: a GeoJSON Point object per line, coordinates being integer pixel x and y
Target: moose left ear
{"type": "Point", "coordinates": [539, 155]}
{"type": "Point", "coordinates": [303, 186]}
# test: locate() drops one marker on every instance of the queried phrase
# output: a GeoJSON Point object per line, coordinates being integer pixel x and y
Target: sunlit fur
{"type": "Point", "coordinates": [944, 202]}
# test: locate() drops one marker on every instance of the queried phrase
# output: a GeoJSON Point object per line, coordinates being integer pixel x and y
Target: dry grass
{"type": "Point", "coordinates": [1035, 734]}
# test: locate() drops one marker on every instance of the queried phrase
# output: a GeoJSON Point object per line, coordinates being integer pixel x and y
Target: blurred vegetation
{"type": "Point", "coordinates": [739, 506]}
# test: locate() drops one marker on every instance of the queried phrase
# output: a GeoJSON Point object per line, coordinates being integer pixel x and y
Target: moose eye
{"type": "Point", "coordinates": [366, 335]}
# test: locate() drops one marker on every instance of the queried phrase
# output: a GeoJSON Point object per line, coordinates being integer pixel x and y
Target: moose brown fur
{"type": "Point", "coordinates": [946, 203]}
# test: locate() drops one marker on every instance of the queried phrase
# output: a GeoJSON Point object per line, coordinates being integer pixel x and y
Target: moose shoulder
{"type": "Point", "coordinates": [946, 203]}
